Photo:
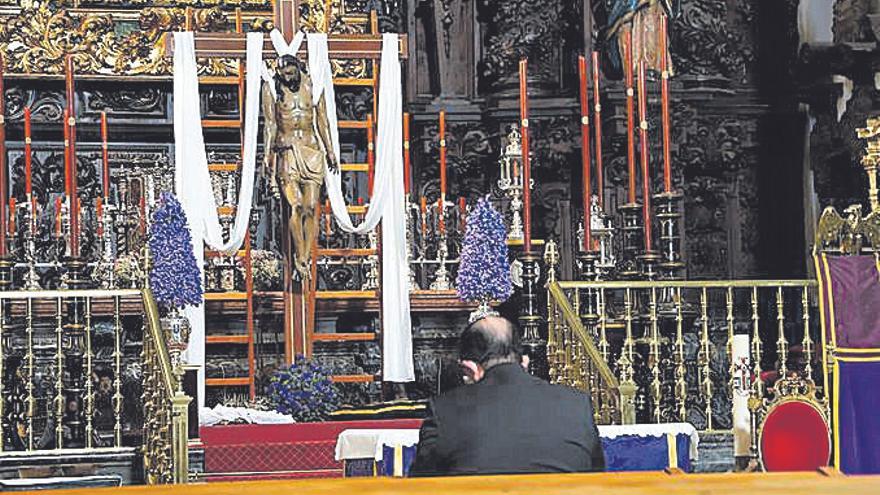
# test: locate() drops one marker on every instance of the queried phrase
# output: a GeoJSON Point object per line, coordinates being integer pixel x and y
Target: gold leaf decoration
{"type": "Point", "coordinates": [36, 41]}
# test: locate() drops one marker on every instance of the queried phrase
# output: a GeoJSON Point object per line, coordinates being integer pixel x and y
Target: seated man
{"type": "Point", "coordinates": [507, 421]}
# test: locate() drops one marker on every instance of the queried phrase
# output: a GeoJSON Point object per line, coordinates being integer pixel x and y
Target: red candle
{"type": "Point", "coordinates": [597, 125]}
{"type": "Point", "coordinates": [99, 211]}
{"type": "Point", "coordinates": [370, 156]}
{"type": "Point", "coordinates": [33, 223]}
{"type": "Point", "coordinates": [406, 164]}
{"type": "Point", "coordinates": [462, 211]}
{"type": "Point", "coordinates": [643, 152]}
{"type": "Point", "coordinates": [630, 119]}
{"type": "Point", "coordinates": [58, 216]}
{"type": "Point", "coordinates": [28, 178]}
{"type": "Point", "coordinates": [12, 216]}
{"type": "Point", "coordinates": [423, 207]}
{"type": "Point", "coordinates": [585, 151]}
{"type": "Point", "coordinates": [328, 217]}
{"type": "Point", "coordinates": [3, 179]}
{"type": "Point", "coordinates": [441, 216]}
{"type": "Point", "coordinates": [71, 124]}
{"type": "Point", "coordinates": [106, 155]}
{"type": "Point", "coordinates": [66, 155]}
{"type": "Point", "coordinates": [443, 154]}
{"type": "Point", "coordinates": [524, 122]}
{"type": "Point", "coordinates": [664, 89]}
{"type": "Point", "coordinates": [143, 207]}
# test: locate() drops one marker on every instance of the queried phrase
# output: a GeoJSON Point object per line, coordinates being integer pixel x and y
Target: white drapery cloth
{"type": "Point", "coordinates": [193, 181]}
{"type": "Point", "coordinates": [387, 202]}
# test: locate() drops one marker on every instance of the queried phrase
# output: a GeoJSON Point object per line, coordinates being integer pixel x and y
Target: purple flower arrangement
{"type": "Point", "coordinates": [304, 390]}
{"type": "Point", "coordinates": [174, 276]}
{"type": "Point", "coordinates": [484, 272]}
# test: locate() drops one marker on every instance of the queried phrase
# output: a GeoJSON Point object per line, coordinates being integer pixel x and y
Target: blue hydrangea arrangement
{"type": "Point", "coordinates": [174, 276]}
{"type": "Point", "coordinates": [484, 272]}
{"type": "Point", "coordinates": [304, 390]}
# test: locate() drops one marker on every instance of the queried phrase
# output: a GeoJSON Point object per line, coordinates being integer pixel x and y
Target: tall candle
{"type": "Point", "coordinates": [33, 216]}
{"type": "Point", "coordinates": [328, 218]}
{"type": "Point", "coordinates": [664, 89]}
{"type": "Point", "coordinates": [71, 123]}
{"type": "Point", "coordinates": [407, 173]}
{"type": "Point", "coordinates": [443, 154]}
{"type": "Point", "coordinates": [643, 152]}
{"type": "Point", "coordinates": [441, 216]}
{"type": "Point", "coordinates": [585, 152]}
{"type": "Point", "coordinates": [58, 216]}
{"type": "Point", "coordinates": [12, 216]}
{"type": "Point", "coordinates": [524, 122]}
{"type": "Point", "coordinates": [630, 119]}
{"type": "Point", "coordinates": [28, 171]}
{"type": "Point", "coordinates": [105, 156]}
{"type": "Point", "coordinates": [143, 208]}
{"type": "Point", "coordinates": [99, 212]}
{"type": "Point", "coordinates": [597, 125]}
{"type": "Point", "coordinates": [66, 155]}
{"type": "Point", "coordinates": [3, 178]}
{"type": "Point", "coordinates": [371, 159]}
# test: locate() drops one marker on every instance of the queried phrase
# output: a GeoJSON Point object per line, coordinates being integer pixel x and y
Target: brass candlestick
{"type": "Point", "coordinates": [441, 276]}
{"type": "Point", "coordinates": [669, 217]}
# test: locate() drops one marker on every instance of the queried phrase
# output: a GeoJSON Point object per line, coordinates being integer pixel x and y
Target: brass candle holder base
{"type": "Point", "coordinates": [530, 319]}
{"type": "Point", "coordinates": [668, 215]}
{"type": "Point", "coordinates": [648, 262]}
{"type": "Point", "coordinates": [75, 276]}
{"type": "Point", "coordinates": [588, 262]}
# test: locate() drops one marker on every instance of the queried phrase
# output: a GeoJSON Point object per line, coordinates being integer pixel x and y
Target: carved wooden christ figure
{"type": "Point", "coordinates": [297, 147]}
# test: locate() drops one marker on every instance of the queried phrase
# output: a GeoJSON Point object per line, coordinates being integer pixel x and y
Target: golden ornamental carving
{"type": "Point", "coordinates": [37, 40]}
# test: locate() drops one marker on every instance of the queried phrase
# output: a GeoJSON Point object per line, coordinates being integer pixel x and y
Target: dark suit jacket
{"type": "Point", "coordinates": [509, 422]}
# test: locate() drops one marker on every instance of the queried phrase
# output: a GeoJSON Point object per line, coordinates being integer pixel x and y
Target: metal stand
{"type": "Point", "coordinates": [671, 265]}
{"type": "Point", "coordinates": [632, 240]}
{"type": "Point", "coordinates": [530, 319]}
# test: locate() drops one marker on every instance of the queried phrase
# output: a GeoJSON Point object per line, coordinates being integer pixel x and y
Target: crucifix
{"type": "Point", "coordinates": [299, 299]}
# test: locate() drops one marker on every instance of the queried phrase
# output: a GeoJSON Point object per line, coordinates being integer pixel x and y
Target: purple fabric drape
{"type": "Point", "coordinates": [854, 289]}
{"type": "Point", "coordinates": [858, 417]}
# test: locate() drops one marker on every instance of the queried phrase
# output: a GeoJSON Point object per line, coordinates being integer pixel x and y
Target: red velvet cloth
{"type": "Point", "coordinates": [795, 438]}
{"type": "Point", "coordinates": [301, 447]}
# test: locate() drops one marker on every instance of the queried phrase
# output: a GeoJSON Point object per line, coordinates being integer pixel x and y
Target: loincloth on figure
{"type": "Point", "coordinates": [301, 163]}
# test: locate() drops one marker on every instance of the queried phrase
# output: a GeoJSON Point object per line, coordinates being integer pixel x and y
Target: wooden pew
{"type": "Point", "coordinates": [643, 483]}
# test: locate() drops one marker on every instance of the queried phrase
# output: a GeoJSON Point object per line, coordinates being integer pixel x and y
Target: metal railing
{"type": "Point", "coordinates": [89, 369]}
{"type": "Point", "coordinates": [663, 351]}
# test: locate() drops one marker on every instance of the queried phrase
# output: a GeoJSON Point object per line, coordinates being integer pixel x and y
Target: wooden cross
{"type": "Point", "coordinates": [340, 46]}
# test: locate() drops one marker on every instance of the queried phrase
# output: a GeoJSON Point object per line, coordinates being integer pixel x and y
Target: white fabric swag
{"type": "Point", "coordinates": [193, 186]}
{"type": "Point", "coordinates": [387, 202]}
{"type": "Point", "coordinates": [193, 181]}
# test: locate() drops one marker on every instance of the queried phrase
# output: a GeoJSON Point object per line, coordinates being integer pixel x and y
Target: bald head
{"type": "Point", "coordinates": [490, 341]}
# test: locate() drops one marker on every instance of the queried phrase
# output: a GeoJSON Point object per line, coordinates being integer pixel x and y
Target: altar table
{"type": "Point", "coordinates": [645, 447]}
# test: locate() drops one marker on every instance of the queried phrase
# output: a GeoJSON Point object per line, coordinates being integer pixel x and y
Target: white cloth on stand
{"type": "Point", "coordinates": [387, 202]}
{"type": "Point", "coordinates": [192, 179]}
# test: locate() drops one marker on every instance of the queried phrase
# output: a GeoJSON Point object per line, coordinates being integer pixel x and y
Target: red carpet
{"type": "Point", "coordinates": [304, 450]}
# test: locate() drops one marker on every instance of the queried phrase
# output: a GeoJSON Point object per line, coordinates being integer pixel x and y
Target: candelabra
{"type": "Point", "coordinates": [511, 183]}
{"type": "Point", "coordinates": [530, 318]}
{"type": "Point", "coordinates": [441, 276]}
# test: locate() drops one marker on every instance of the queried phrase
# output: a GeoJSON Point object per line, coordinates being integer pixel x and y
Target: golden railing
{"type": "Point", "coordinates": [666, 347]}
{"type": "Point", "coordinates": [166, 455]}
{"type": "Point", "coordinates": [63, 356]}
{"type": "Point", "coordinates": [575, 361]}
